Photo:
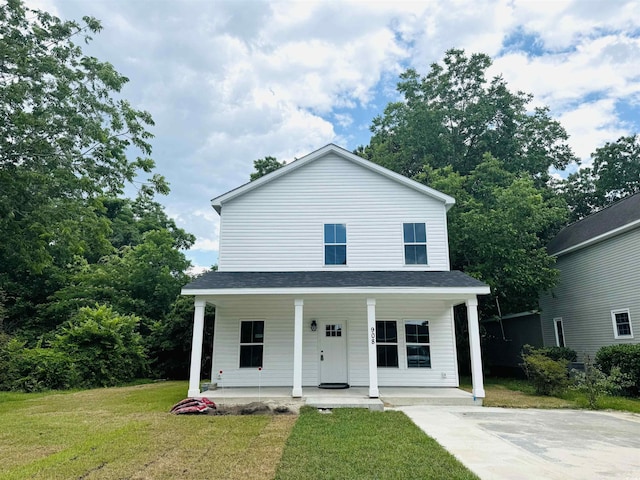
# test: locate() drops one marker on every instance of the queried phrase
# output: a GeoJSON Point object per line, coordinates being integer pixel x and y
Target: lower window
{"type": "Point", "coordinates": [251, 343]}
{"type": "Point", "coordinates": [387, 343]}
{"type": "Point", "coordinates": [621, 323]}
{"type": "Point", "coordinates": [417, 342]}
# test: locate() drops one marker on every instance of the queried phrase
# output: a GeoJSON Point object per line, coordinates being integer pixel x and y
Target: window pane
{"type": "Point", "coordinates": [258, 332]}
{"type": "Point", "coordinates": [250, 356]}
{"type": "Point", "coordinates": [421, 254]}
{"type": "Point", "coordinates": [341, 233]}
{"type": "Point", "coordinates": [386, 332]}
{"type": "Point", "coordinates": [418, 356]}
{"type": "Point", "coordinates": [410, 254]}
{"type": "Point", "coordinates": [329, 233]}
{"type": "Point", "coordinates": [329, 255]}
{"type": "Point", "coordinates": [246, 332]}
{"type": "Point", "coordinates": [409, 235]}
{"type": "Point", "coordinates": [622, 323]}
{"type": "Point", "coordinates": [417, 332]}
{"type": "Point", "coordinates": [387, 355]}
{"type": "Point", "coordinates": [420, 232]}
{"type": "Point", "coordinates": [340, 255]}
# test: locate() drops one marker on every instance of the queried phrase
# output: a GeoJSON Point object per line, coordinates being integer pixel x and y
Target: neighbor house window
{"type": "Point", "coordinates": [621, 323]}
{"type": "Point", "coordinates": [335, 244]}
{"type": "Point", "coordinates": [415, 243]}
{"type": "Point", "coordinates": [418, 345]}
{"type": "Point", "coordinates": [251, 343]}
{"type": "Point", "coordinates": [559, 332]}
{"type": "Point", "coordinates": [387, 343]}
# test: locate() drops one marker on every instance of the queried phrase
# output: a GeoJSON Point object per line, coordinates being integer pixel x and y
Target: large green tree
{"type": "Point", "coordinates": [478, 141]}
{"type": "Point", "coordinates": [67, 141]}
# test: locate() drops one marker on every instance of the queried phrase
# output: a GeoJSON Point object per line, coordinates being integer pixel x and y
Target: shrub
{"type": "Point", "coordinates": [34, 369]}
{"type": "Point", "coordinates": [548, 376]}
{"type": "Point", "coordinates": [594, 383]}
{"type": "Point", "coordinates": [104, 345]}
{"type": "Point", "coordinates": [554, 353]}
{"type": "Point", "coordinates": [627, 358]}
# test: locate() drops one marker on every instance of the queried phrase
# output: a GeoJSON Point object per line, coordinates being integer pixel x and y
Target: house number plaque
{"type": "Point", "coordinates": [373, 335]}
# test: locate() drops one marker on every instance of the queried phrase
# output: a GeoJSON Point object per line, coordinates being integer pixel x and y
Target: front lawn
{"type": "Point", "coordinates": [356, 443]}
{"type": "Point", "coordinates": [128, 433]}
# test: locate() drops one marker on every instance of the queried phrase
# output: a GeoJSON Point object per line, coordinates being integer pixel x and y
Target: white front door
{"type": "Point", "coordinates": [333, 352]}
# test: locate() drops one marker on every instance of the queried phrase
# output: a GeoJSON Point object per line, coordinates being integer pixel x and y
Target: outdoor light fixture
{"type": "Point", "coordinates": [314, 325]}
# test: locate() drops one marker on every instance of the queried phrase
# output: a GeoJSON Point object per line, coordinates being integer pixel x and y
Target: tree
{"type": "Point", "coordinates": [615, 174]}
{"type": "Point", "coordinates": [474, 139]}
{"type": "Point", "coordinates": [65, 143]}
{"type": "Point", "coordinates": [454, 115]}
{"type": "Point", "coordinates": [265, 165]}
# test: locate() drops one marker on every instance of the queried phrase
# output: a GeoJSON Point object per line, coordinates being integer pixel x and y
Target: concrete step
{"type": "Point", "coordinates": [374, 404]}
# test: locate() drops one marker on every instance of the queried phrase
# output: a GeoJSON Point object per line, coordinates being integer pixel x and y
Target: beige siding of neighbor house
{"type": "Point", "coordinates": [594, 281]}
{"type": "Point", "coordinates": [279, 226]}
{"type": "Point", "coordinates": [277, 311]}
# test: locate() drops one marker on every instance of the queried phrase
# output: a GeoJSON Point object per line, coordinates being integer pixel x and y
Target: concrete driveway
{"type": "Point", "coordinates": [500, 443]}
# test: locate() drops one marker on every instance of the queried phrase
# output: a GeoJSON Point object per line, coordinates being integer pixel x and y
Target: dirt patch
{"type": "Point", "coordinates": [255, 408]}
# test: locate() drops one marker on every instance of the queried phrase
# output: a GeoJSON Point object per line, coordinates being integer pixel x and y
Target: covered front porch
{"type": "Point", "coordinates": [353, 397]}
{"type": "Point", "coordinates": [391, 330]}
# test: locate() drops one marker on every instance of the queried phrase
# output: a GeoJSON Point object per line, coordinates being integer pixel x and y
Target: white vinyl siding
{"type": "Point", "coordinates": [278, 227]}
{"type": "Point", "coordinates": [594, 281]}
{"type": "Point", "coordinates": [348, 310]}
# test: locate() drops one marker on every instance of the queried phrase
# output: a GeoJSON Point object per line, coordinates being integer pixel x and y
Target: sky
{"type": "Point", "coordinates": [229, 82]}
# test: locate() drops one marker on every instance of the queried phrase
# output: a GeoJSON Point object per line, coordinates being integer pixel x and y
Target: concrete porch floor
{"type": "Point", "coordinates": [355, 397]}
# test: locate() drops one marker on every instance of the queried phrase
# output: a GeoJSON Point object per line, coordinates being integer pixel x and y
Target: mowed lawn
{"type": "Point", "coordinates": [128, 433]}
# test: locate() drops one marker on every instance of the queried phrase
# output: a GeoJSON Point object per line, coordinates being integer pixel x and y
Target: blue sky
{"type": "Point", "coordinates": [228, 82]}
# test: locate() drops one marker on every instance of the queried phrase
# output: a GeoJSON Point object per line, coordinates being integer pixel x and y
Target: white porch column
{"type": "Point", "coordinates": [371, 341]}
{"type": "Point", "coordinates": [196, 348]}
{"type": "Point", "coordinates": [297, 348]}
{"type": "Point", "coordinates": [474, 347]}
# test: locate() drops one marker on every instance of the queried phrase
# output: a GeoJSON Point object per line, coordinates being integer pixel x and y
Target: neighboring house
{"type": "Point", "coordinates": [334, 271]}
{"type": "Point", "coordinates": [597, 299]}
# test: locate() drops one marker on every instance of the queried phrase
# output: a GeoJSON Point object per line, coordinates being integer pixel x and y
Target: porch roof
{"type": "Point", "coordinates": [323, 280]}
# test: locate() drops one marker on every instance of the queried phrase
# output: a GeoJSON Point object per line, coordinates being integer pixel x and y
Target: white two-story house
{"type": "Point", "coordinates": [334, 271]}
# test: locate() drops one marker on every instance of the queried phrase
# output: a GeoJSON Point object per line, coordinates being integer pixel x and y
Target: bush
{"type": "Point", "coordinates": [34, 369]}
{"type": "Point", "coordinates": [594, 383]}
{"type": "Point", "coordinates": [627, 358]}
{"type": "Point", "coordinates": [554, 353]}
{"type": "Point", "coordinates": [548, 376]}
{"type": "Point", "coordinates": [104, 346]}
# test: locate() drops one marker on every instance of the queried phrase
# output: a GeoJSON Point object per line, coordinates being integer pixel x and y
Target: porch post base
{"type": "Point", "coordinates": [193, 393]}
{"type": "Point", "coordinates": [296, 393]}
{"type": "Point", "coordinates": [374, 393]}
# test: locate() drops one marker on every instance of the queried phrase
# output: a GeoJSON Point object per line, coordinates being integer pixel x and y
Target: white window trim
{"type": "Point", "coordinates": [555, 330]}
{"type": "Point", "coordinates": [240, 344]}
{"type": "Point", "coordinates": [324, 244]}
{"type": "Point", "coordinates": [615, 324]}
{"type": "Point", "coordinates": [406, 344]}
{"type": "Point", "coordinates": [396, 343]}
{"type": "Point", "coordinates": [403, 244]}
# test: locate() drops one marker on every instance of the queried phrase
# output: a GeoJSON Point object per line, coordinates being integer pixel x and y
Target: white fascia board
{"type": "Point", "coordinates": [331, 148]}
{"type": "Point", "coordinates": [599, 238]}
{"type": "Point", "coordinates": [436, 291]}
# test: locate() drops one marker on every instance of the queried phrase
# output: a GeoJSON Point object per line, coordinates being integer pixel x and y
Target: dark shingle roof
{"type": "Point", "coordinates": [324, 279]}
{"type": "Point", "coordinates": [610, 218]}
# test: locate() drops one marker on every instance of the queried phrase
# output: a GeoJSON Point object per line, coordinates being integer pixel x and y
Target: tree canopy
{"type": "Point", "coordinates": [69, 145]}
{"type": "Point", "coordinates": [265, 165]}
{"type": "Point", "coordinates": [476, 140]}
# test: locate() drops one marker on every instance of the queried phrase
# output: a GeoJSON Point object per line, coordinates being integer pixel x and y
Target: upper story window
{"type": "Point", "coordinates": [415, 243]}
{"type": "Point", "coordinates": [621, 323]}
{"type": "Point", "coordinates": [335, 244]}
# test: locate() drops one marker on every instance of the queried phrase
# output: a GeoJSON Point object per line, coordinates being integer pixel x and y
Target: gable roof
{"type": "Point", "coordinates": [217, 202]}
{"type": "Point", "coordinates": [615, 219]}
{"type": "Point", "coordinates": [343, 281]}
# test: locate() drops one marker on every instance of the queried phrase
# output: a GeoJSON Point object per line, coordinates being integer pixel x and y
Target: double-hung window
{"type": "Point", "coordinates": [621, 323]}
{"type": "Point", "coordinates": [387, 343]}
{"type": "Point", "coordinates": [415, 243]}
{"type": "Point", "coordinates": [559, 332]}
{"type": "Point", "coordinates": [417, 342]}
{"type": "Point", "coordinates": [251, 343]}
{"type": "Point", "coordinates": [335, 244]}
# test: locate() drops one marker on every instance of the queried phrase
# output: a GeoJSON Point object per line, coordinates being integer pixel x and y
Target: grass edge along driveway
{"type": "Point", "coordinates": [127, 432]}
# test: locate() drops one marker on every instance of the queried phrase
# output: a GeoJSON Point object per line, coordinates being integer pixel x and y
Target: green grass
{"type": "Point", "coordinates": [358, 444]}
{"type": "Point", "coordinates": [128, 433]}
{"type": "Point", "coordinates": [518, 393]}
